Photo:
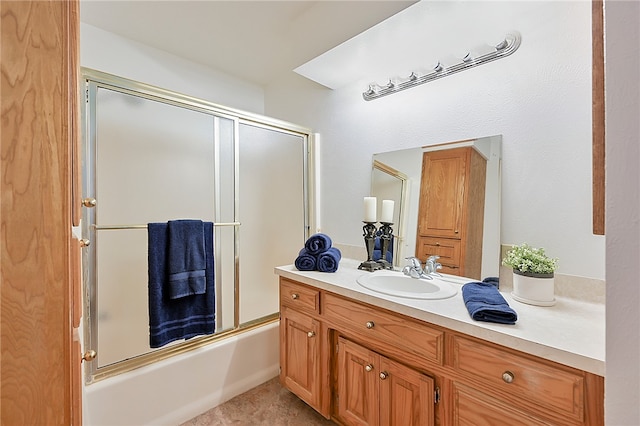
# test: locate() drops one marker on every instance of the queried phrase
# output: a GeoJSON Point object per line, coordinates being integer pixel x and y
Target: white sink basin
{"type": "Point", "coordinates": [397, 284]}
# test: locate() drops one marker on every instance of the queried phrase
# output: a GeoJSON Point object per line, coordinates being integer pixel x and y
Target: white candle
{"type": "Point", "coordinates": [387, 211]}
{"type": "Point", "coordinates": [370, 206]}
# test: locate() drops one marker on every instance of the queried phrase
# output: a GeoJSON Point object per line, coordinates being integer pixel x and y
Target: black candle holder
{"type": "Point", "coordinates": [385, 241]}
{"type": "Point", "coordinates": [369, 234]}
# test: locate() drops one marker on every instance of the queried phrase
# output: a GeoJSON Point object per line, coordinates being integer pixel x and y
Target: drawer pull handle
{"type": "Point", "coordinates": [370, 324]}
{"type": "Point", "coordinates": [508, 377]}
{"type": "Point", "coordinates": [383, 375]}
{"type": "Point", "coordinates": [311, 333]}
{"type": "Point", "coordinates": [368, 367]}
{"type": "Point", "coordinates": [295, 296]}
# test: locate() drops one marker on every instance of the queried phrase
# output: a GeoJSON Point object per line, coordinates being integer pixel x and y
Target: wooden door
{"type": "Point", "coordinates": [406, 396]}
{"type": "Point", "coordinates": [38, 71]}
{"type": "Point", "coordinates": [442, 193]}
{"type": "Point", "coordinates": [358, 370]}
{"type": "Point", "coordinates": [300, 355]}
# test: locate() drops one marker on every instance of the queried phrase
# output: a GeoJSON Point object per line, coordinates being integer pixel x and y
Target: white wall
{"type": "Point", "coordinates": [110, 53]}
{"type": "Point", "coordinates": [539, 99]}
{"type": "Point", "coordinates": [622, 384]}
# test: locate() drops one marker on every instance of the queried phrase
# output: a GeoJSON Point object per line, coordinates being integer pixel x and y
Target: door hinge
{"type": "Point", "coordinates": [436, 395]}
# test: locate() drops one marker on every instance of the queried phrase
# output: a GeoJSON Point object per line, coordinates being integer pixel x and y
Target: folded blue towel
{"type": "Point", "coordinates": [187, 259]}
{"type": "Point", "coordinates": [305, 261]}
{"type": "Point", "coordinates": [328, 260]}
{"type": "Point", "coordinates": [317, 243]}
{"type": "Point", "coordinates": [186, 317]}
{"type": "Point", "coordinates": [485, 303]}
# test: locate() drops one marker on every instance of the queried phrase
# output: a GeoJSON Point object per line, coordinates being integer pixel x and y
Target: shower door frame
{"type": "Point", "coordinates": [92, 80]}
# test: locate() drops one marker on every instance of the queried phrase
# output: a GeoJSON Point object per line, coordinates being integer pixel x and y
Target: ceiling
{"type": "Point", "coordinates": [253, 40]}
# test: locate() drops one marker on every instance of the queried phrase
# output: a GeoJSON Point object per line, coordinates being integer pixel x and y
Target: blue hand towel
{"type": "Point", "coordinates": [485, 303]}
{"type": "Point", "coordinates": [186, 317]}
{"type": "Point", "coordinates": [305, 261]}
{"type": "Point", "coordinates": [187, 259]}
{"type": "Point", "coordinates": [328, 260]}
{"type": "Point", "coordinates": [317, 243]}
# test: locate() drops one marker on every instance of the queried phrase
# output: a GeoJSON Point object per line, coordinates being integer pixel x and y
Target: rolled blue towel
{"type": "Point", "coordinates": [328, 260]}
{"type": "Point", "coordinates": [318, 243]}
{"type": "Point", "coordinates": [485, 303]}
{"type": "Point", "coordinates": [305, 261]}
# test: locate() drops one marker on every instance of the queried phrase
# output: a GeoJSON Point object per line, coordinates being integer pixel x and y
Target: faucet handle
{"type": "Point", "coordinates": [414, 262]}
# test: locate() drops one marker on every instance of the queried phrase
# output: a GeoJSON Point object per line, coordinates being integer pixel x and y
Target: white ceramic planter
{"type": "Point", "coordinates": [533, 290]}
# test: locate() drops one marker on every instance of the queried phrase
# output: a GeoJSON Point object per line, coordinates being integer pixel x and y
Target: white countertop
{"type": "Point", "coordinates": [571, 332]}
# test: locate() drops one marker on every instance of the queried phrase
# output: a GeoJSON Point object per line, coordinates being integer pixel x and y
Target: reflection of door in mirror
{"type": "Point", "coordinates": [388, 183]}
{"type": "Point", "coordinates": [451, 211]}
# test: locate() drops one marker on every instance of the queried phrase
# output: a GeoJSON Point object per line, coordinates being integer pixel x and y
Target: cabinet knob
{"type": "Point", "coordinates": [85, 243]}
{"type": "Point", "coordinates": [383, 375]}
{"type": "Point", "coordinates": [295, 296]}
{"type": "Point", "coordinates": [89, 355]}
{"type": "Point", "coordinates": [370, 324]}
{"type": "Point", "coordinates": [368, 367]}
{"type": "Point", "coordinates": [311, 333]}
{"type": "Point", "coordinates": [508, 377]}
{"type": "Point", "coordinates": [89, 202]}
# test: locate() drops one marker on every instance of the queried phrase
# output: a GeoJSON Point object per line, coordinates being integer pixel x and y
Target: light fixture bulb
{"type": "Point", "coordinates": [438, 67]}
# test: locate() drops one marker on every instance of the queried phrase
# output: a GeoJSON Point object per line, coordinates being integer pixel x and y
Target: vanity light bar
{"type": "Point", "coordinates": [506, 47]}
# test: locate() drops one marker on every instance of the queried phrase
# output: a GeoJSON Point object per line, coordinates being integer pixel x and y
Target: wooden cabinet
{"type": "Point", "coordinates": [535, 391]}
{"type": "Point", "coordinates": [300, 355]}
{"type": "Point", "coordinates": [375, 390]}
{"type": "Point", "coordinates": [451, 211]}
{"type": "Point", "coordinates": [364, 365]}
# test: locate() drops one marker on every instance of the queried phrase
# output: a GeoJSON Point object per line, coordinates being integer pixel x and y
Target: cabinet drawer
{"type": "Point", "coordinates": [447, 249]}
{"type": "Point", "coordinates": [299, 296]}
{"type": "Point", "coordinates": [393, 331]}
{"type": "Point", "coordinates": [524, 380]}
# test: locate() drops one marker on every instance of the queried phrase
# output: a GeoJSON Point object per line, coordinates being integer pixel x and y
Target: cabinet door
{"type": "Point", "coordinates": [473, 408]}
{"type": "Point", "coordinates": [300, 356]}
{"type": "Point", "coordinates": [442, 193]}
{"type": "Point", "coordinates": [358, 371]}
{"type": "Point", "coordinates": [406, 396]}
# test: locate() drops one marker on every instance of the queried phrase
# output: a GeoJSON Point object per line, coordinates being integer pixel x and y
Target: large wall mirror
{"type": "Point", "coordinates": [398, 175]}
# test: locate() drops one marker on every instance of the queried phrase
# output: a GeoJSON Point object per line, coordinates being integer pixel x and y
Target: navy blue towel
{"type": "Point", "coordinates": [186, 317]}
{"type": "Point", "coordinates": [485, 303]}
{"type": "Point", "coordinates": [305, 261]}
{"type": "Point", "coordinates": [328, 260]}
{"type": "Point", "coordinates": [317, 243]}
{"type": "Point", "coordinates": [187, 259]}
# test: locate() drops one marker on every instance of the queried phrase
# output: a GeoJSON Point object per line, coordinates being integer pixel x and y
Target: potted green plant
{"type": "Point", "coordinates": [533, 274]}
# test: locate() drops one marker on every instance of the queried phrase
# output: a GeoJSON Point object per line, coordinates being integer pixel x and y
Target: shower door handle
{"type": "Point", "coordinates": [89, 355]}
{"type": "Point", "coordinates": [89, 202]}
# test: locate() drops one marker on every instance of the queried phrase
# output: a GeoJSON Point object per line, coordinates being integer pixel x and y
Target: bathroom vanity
{"type": "Point", "coordinates": [365, 358]}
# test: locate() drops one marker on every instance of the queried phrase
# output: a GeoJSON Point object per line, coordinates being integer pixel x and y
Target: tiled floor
{"type": "Point", "coordinates": [268, 404]}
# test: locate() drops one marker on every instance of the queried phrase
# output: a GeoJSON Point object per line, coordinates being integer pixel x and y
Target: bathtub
{"type": "Point", "coordinates": [177, 389]}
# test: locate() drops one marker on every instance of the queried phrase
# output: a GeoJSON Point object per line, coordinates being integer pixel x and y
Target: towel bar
{"type": "Point", "coordinates": [112, 227]}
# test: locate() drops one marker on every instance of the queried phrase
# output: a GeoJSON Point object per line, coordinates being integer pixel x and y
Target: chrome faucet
{"type": "Point", "coordinates": [432, 265]}
{"type": "Point", "coordinates": [414, 268]}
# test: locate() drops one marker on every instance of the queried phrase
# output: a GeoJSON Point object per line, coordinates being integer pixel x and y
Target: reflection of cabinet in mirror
{"type": "Point", "coordinates": [451, 211]}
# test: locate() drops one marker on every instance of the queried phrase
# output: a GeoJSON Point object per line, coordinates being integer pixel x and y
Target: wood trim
{"type": "Point", "coordinates": [598, 116]}
{"type": "Point", "coordinates": [35, 213]}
